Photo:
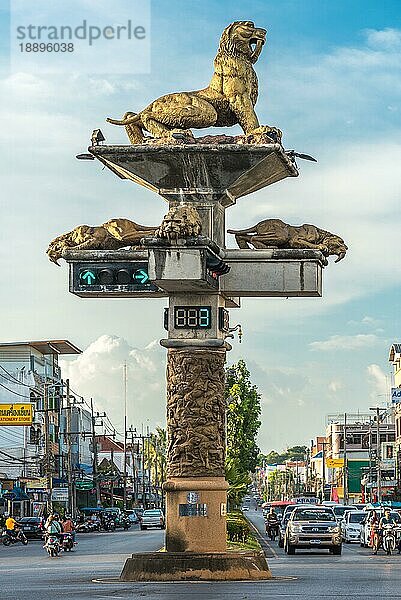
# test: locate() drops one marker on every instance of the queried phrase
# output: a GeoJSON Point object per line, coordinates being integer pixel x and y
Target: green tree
{"type": "Point", "coordinates": [155, 457]}
{"type": "Point", "coordinates": [243, 412]}
{"type": "Point", "coordinates": [238, 484]}
{"type": "Point", "coordinates": [293, 453]}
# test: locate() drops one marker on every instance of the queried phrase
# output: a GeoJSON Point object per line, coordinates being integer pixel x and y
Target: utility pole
{"type": "Point", "coordinates": [377, 410]}
{"type": "Point", "coordinates": [345, 468]}
{"type": "Point", "coordinates": [70, 476]}
{"type": "Point", "coordinates": [125, 439]}
{"type": "Point", "coordinates": [370, 460]}
{"type": "Point", "coordinates": [378, 458]}
{"type": "Point", "coordinates": [112, 477]}
{"type": "Point", "coordinates": [94, 449]}
{"type": "Point", "coordinates": [323, 471]}
{"type": "Point", "coordinates": [48, 449]}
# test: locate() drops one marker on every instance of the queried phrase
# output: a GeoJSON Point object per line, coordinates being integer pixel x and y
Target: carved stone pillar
{"type": "Point", "coordinates": [196, 490]}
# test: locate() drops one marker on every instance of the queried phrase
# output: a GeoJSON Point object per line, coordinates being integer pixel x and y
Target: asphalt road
{"type": "Point", "coordinates": [26, 573]}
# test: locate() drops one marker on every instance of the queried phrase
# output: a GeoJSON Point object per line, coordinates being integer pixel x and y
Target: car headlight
{"type": "Point", "coordinates": [295, 528]}
{"type": "Point", "coordinates": [334, 529]}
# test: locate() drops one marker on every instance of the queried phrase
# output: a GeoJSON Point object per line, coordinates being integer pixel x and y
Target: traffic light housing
{"type": "Point", "coordinates": [111, 279]}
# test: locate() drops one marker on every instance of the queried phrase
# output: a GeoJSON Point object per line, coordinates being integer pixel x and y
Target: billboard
{"type": "Point", "coordinates": [16, 414]}
{"type": "Point", "coordinates": [395, 395]}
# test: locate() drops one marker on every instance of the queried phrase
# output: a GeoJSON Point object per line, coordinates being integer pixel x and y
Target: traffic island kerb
{"type": "Point", "coordinates": [191, 566]}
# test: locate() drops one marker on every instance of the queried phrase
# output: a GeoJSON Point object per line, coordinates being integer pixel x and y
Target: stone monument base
{"type": "Point", "coordinates": [203, 529]}
{"type": "Point", "coordinates": [193, 566]}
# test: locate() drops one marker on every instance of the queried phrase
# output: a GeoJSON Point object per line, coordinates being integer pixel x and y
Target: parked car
{"type": "Point", "coordinates": [365, 526]}
{"type": "Point", "coordinates": [153, 517]}
{"type": "Point", "coordinates": [351, 525]}
{"type": "Point", "coordinates": [340, 510]}
{"type": "Point", "coordinates": [245, 507]}
{"type": "Point", "coordinates": [313, 527]}
{"type": "Point", "coordinates": [33, 527]}
{"type": "Point", "coordinates": [133, 517]}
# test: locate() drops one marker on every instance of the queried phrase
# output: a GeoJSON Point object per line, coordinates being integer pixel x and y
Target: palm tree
{"type": "Point", "coordinates": [238, 484]}
{"type": "Point", "coordinates": [155, 457]}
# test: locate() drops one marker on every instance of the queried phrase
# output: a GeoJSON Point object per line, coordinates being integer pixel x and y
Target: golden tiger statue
{"type": "Point", "coordinates": [229, 99]}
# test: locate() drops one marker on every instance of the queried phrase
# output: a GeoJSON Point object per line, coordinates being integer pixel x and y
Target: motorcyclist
{"type": "Point", "coordinates": [386, 519]}
{"type": "Point", "coordinates": [11, 526]}
{"type": "Point", "coordinates": [68, 526]}
{"type": "Point", "coordinates": [271, 520]}
{"type": "Point", "coordinates": [52, 527]}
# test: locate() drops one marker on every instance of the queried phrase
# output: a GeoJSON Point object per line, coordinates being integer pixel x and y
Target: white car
{"type": "Point", "coordinates": [351, 525]}
{"type": "Point", "coordinates": [340, 510]}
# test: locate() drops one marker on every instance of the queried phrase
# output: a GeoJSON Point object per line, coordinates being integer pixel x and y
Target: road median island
{"type": "Point", "coordinates": [244, 560]}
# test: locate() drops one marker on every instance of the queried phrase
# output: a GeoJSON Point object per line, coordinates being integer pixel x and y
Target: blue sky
{"type": "Point", "coordinates": [330, 79]}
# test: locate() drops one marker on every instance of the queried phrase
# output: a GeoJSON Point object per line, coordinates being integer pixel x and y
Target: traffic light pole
{"type": "Point", "coordinates": [187, 262]}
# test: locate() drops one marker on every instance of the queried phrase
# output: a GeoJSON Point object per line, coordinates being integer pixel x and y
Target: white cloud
{"type": "Point", "coordinates": [345, 342]}
{"type": "Point", "coordinates": [379, 382]}
{"type": "Point", "coordinates": [98, 373]}
{"type": "Point", "coordinates": [334, 386]}
{"type": "Point", "coordinates": [388, 38]}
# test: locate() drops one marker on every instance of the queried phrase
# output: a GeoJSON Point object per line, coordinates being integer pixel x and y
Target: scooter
{"type": "Point", "coordinates": [126, 523]}
{"type": "Point", "coordinates": [272, 530]}
{"type": "Point", "coordinates": [52, 546]}
{"type": "Point", "coordinates": [68, 542]}
{"type": "Point", "coordinates": [8, 539]}
{"type": "Point", "coordinates": [389, 541]}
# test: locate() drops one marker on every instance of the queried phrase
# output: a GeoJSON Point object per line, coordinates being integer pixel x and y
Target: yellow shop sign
{"type": "Point", "coordinates": [334, 463]}
{"type": "Point", "coordinates": [16, 414]}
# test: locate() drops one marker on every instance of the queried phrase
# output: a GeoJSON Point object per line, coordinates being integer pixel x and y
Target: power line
{"type": "Point", "coordinates": [14, 378]}
{"type": "Point", "coordinates": [13, 392]}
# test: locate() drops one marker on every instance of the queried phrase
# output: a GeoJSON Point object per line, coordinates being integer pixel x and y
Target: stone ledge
{"type": "Point", "coordinates": [188, 566]}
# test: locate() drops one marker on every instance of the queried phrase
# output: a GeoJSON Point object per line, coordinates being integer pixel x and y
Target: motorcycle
{"type": "Point", "coordinates": [8, 539]}
{"type": "Point", "coordinates": [67, 542]}
{"type": "Point", "coordinates": [126, 523]}
{"type": "Point", "coordinates": [52, 545]}
{"type": "Point", "coordinates": [389, 541]}
{"type": "Point", "coordinates": [272, 530]}
{"type": "Point", "coordinates": [109, 524]}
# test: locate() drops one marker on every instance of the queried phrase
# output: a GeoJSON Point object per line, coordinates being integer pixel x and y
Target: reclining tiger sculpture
{"type": "Point", "coordinates": [274, 233]}
{"type": "Point", "coordinates": [112, 235]}
{"type": "Point", "coordinates": [181, 221]}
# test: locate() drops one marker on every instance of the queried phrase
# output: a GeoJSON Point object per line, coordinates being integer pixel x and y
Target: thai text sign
{"type": "Point", "coordinates": [16, 414]}
{"type": "Point", "coordinates": [334, 463]}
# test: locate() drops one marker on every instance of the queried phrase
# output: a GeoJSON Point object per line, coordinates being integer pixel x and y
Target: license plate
{"type": "Point", "coordinates": [317, 542]}
{"type": "Point", "coordinates": [27, 528]}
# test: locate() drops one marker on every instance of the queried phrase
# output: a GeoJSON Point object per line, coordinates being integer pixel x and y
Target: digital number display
{"type": "Point", "coordinates": [192, 317]}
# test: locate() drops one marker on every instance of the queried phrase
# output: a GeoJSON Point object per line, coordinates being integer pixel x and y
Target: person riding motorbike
{"type": "Point", "coordinates": [68, 526]}
{"type": "Point", "coordinates": [272, 521]}
{"type": "Point", "coordinates": [386, 519]}
{"type": "Point", "coordinates": [374, 525]}
{"type": "Point", "coordinates": [52, 527]}
{"type": "Point", "coordinates": [11, 526]}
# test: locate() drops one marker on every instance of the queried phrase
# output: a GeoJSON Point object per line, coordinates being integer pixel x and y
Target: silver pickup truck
{"type": "Point", "coordinates": [153, 517]}
{"type": "Point", "coordinates": [313, 527]}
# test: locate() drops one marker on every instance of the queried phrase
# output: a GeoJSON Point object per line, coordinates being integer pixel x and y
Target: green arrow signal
{"type": "Point", "coordinates": [141, 276]}
{"type": "Point", "coordinates": [87, 277]}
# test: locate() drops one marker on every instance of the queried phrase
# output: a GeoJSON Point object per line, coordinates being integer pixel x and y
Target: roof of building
{"type": "Point", "coordinates": [47, 346]}
{"type": "Point", "coordinates": [395, 349]}
{"type": "Point", "coordinates": [106, 444]}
